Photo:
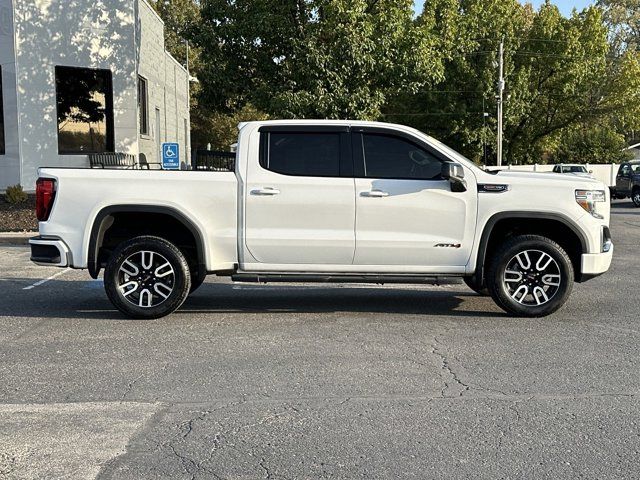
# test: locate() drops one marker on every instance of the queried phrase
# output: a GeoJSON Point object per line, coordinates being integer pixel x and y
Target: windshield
{"type": "Point", "coordinates": [575, 169]}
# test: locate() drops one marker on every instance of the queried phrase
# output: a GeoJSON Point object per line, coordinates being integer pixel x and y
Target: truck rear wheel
{"type": "Point", "coordinates": [147, 277]}
{"type": "Point", "coordinates": [635, 196]}
{"type": "Point", "coordinates": [530, 276]}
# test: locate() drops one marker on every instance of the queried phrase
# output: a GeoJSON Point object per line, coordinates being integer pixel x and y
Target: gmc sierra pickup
{"type": "Point", "coordinates": [326, 201]}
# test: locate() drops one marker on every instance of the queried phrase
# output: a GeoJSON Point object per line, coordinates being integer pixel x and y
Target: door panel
{"type": "Point", "coordinates": [624, 179]}
{"type": "Point", "coordinates": [298, 219]}
{"type": "Point", "coordinates": [418, 223]}
{"type": "Point", "coordinates": [408, 215]}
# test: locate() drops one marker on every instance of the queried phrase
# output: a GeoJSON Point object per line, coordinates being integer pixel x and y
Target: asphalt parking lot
{"type": "Point", "coordinates": [296, 381]}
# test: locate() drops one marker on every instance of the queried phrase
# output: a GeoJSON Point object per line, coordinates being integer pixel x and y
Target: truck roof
{"type": "Point", "coordinates": [361, 123]}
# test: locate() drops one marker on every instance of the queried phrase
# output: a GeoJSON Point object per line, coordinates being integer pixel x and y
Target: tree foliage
{"type": "Point", "coordinates": [315, 58]}
{"type": "Point", "coordinates": [598, 144]}
{"type": "Point", "coordinates": [437, 71]}
{"type": "Point", "coordinates": [623, 19]}
{"type": "Point", "coordinates": [558, 75]}
{"type": "Point", "coordinates": [181, 20]}
{"type": "Point", "coordinates": [221, 130]}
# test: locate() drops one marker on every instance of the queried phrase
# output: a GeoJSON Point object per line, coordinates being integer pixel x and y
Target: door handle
{"type": "Point", "coordinates": [266, 191]}
{"type": "Point", "coordinates": [375, 194]}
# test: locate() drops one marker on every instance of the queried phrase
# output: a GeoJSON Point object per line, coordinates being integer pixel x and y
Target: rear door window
{"type": "Point", "coordinates": [302, 153]}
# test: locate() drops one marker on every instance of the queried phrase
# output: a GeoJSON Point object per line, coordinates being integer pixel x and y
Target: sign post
{"type": "Point", "coordinates": [170, 156]}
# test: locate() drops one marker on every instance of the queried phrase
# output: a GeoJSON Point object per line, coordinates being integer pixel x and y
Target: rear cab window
{"type": "Point", "coordinates": [306, 152]}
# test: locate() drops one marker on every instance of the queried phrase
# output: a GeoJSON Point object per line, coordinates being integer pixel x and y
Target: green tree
{"type": "Point", "coordinates": [315, 58]}
{"type": "Point", "coordinates": [182, 26]}
{"type": "Point", "coordinates": [623, 19]}
{"type": "Point", "coordinates": [453, 110]}
{"type": "Point", "coordinates": [596, 144]}
{"type": "Point", "coordinates": [221, 130]}
{"type": "Point", "coordinates": [181, 20]}
{"type": "Point", "coordinates": [558, 76]}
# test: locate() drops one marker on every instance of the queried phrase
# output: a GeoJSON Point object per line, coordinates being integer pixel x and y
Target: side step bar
{"type": "Point", "coordinates": [318, 278]}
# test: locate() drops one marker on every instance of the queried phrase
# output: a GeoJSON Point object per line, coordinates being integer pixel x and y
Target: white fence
{"type": "Point", "coordinates": [604, 172]}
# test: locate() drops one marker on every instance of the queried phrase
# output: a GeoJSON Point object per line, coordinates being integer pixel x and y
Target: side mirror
{"type": "Point", "coordinates": [455, 174]}
{"type": "Point", "coordinates": [590, 171]}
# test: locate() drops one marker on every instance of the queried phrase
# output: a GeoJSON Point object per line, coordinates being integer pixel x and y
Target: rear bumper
{"type": "Point", "coordinates": [50, 251]}
{"type": "Point", "coordinates": [595, 264]}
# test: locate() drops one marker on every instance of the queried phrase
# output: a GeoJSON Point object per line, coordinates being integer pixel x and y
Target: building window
{"type": "Point", "coordinates": [85, 110]}
{"type": "Point", "coordinates": [143, 106]}
{"type": "Point", "coordinates": [1, 117]}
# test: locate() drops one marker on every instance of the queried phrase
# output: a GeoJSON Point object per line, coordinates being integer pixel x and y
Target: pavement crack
{"type": "Point", "coordinates": [186, 463]}
{"type": "Point", "coordinates": [446, 367]}
{"type": "Point", "coordinates": [130, 387]}
{"type": "Point", "coordinates": [265, 468]}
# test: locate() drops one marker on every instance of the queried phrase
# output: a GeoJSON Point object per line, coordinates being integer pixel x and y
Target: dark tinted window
{"type": "Point", "coordinates": [1, 117]}
{"type": "Point", "coordinates": [303, 154]}
{"type": "Point", "coordinates": [85, 110]}
{"type": "Point", "coordinates": [387, 156]}
{"type": "Point", "coordinates": [143, 106]}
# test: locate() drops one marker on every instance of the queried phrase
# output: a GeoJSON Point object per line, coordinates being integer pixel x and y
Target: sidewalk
{"type": "Point", "coordinates": [16, 238]}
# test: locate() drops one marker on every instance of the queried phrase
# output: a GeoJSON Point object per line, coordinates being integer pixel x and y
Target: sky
{"type": "Point", "coordinates": [565, 5]}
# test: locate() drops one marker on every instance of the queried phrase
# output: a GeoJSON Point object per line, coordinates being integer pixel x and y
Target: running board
{"type": "Point", "coordinates": [346, 278]}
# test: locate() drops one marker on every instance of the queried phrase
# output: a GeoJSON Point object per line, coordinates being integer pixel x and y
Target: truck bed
{"type": "Point", "coordinates": [207, 199]}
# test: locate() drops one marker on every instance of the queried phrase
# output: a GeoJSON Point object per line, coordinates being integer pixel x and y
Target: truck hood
{"type": "Point", "coordinates": [549, 177]}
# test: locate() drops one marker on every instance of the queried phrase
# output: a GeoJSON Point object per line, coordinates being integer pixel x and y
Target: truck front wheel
{"type": "Point", "coordinates": [635, 196]}
{"type": "Point", "coordinates": [530, 276]}
{"type": "Point", "coordinates": [147, 277]}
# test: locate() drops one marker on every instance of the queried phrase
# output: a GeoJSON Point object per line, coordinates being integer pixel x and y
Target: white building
{"type": "Point", "coordinates": [85, 76]}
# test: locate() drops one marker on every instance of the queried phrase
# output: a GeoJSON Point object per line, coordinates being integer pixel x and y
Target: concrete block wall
{"type": "Point", "coordinates": [10, 161]}
{"type": "Point", "coordinates": [167, 82]}
{"type": "Point", "coordinates": [97, 34]}
{"type": "Point", "coordinates": [123, 36]}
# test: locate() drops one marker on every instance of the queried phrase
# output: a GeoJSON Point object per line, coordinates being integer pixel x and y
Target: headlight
{"type": "Point", "coordinates": [588, 199]}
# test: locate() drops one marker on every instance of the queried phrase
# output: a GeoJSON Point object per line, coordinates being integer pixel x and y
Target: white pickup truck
{"type": "Point", "coordinates": [326, 201]}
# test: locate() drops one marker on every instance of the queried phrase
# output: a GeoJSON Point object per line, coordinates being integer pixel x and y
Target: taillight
{"type": "Point", "coordinates": [45, 195]}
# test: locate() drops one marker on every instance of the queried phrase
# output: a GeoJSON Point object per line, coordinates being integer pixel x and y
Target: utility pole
{"type": "Point", "coordinates": [500, 100]}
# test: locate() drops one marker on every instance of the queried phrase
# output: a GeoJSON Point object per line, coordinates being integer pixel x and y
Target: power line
{"type": "Point", "coordinates": [431, 114]}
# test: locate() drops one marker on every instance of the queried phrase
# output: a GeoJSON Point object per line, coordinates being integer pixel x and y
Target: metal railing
{"type": "Point", "coordinates": [113, 160]}
{"type": "Point", "coordinates": [215, 161]}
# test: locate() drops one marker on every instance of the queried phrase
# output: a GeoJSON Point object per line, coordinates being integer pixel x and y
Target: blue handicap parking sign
{"type": "Point", "coordinates": [170, 156]}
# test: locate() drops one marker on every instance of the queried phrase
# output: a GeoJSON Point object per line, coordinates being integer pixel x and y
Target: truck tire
{"type": "Point", "coordinates": [530, 276]}
{"type": "Point", "coordinates": [635, 197]}
{"type": "Point", "coordinates": [147, 277]}
{"type": "Point", "coordinates": [471, 283]}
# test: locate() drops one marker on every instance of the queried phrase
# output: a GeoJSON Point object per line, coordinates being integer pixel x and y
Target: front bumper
{"type": "Point", "coordinates": [595, 264]}
{"type": "Point", "coordinates": [49, 251]}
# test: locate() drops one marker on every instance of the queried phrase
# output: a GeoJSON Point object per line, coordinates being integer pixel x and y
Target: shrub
{"type": "Point", "coordinates": [15, 195]}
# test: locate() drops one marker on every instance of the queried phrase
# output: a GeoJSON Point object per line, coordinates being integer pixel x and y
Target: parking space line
{"type": "Point", "coordinates": [42, 282]}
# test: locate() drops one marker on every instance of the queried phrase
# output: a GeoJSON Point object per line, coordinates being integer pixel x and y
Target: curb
{"type": "Point", "coordinates": [16, 238]}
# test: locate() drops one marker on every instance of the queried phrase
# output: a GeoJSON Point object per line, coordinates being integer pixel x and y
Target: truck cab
{"type": "Point", "coordinates": [628, 182]}
{"type": "Point", "coordinates": [335, 201]}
